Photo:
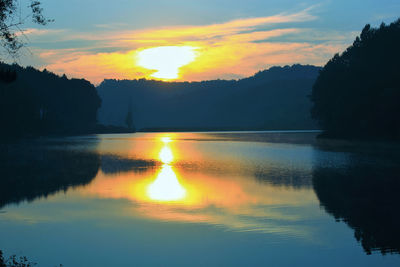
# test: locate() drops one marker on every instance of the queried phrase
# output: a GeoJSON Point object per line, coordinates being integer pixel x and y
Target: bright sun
{"type": "Point", "coordinates": [166, 60]}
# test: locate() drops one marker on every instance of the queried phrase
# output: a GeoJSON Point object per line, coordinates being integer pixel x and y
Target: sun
{"type": "Point", "coordinates": [166, 60]}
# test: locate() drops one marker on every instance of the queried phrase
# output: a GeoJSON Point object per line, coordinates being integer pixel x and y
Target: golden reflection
{"type": "Point", "coordinates": [210, 189]}
{"type": "Point", "coordinates": [166, 187]}
{"type": "Point", "coordinates": [166, 155]}
{"type": "Point", "coordinates": [166, 139]}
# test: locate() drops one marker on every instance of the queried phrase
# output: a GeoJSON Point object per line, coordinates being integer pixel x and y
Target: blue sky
{"type": "Point", "coordinates": [338, 14]}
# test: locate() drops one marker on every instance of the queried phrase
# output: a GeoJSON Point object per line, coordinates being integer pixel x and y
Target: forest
{"type": "Point", "coordinates": [37, 102]}
{"type": "Point", "coordinates": [357, 93]}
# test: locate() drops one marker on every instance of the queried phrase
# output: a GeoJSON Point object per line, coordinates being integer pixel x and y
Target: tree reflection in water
{"type": "Point", "coordinates": [32, 171]}
{"type": "Point", "coordinates": [365, 195]}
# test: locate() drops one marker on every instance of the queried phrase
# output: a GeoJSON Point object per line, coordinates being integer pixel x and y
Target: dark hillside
{"type": "Point", "coordinates": [272, 99]}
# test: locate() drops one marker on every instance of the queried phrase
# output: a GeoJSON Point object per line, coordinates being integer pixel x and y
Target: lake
{"type": "Point", "coordinates": [200, 199]}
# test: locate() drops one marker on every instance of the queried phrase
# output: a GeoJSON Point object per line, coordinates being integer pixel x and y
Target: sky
{"type": "Point", "coordinates": [187, 40]}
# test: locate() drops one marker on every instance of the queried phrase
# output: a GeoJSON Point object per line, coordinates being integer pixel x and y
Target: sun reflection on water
{"type": "Point", "coordinates": [166, 155]}
{"type": "Point", "coordinates": [166, 186]}
{"type": "Point", "coordinates": [186, 186]}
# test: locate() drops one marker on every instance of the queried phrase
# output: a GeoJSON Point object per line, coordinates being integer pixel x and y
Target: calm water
{"type": "Point", "coordinates": [269, 198]}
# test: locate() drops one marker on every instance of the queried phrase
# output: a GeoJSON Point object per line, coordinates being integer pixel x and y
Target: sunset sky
{"type": "Point", "coordinates": [194, 40]}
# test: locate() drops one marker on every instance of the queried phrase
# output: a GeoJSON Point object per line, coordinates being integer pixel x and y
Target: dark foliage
{"type": "Point", "coordinates": [34, 102]}
{"type": "Point", "coordinates": [2, 263]}
{"type": "Point", "coordinates": [271, 99]}
{"type": "Point", "coordinates": [7, 76]}
{"type": "Point", "coordinates": [13, 261]}
{"type": "Point", "coordinates": [357, 93]}
{"type": "Point", "coordinates": [11, 21]}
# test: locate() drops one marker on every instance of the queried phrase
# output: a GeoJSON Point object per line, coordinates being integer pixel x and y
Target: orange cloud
{"type": "Point", "coordinates": [233, 49]}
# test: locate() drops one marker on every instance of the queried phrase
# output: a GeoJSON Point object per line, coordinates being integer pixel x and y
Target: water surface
{"type": "Point", "coordinates": [239, 198]}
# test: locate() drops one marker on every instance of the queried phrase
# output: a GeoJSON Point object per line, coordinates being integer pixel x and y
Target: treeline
{"type": "Point", "coordinates": [34, 102]}
{"type": "Point", "coordinates": [271, 99]}
{"type": "Point", "coordinates": [357, 93]}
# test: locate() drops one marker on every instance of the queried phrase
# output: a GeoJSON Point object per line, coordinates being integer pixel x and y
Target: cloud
{"type": "Point", "coordinates": [235, 48]}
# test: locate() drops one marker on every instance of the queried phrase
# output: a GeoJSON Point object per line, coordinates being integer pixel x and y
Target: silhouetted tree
{"type": "Point", "coordinates": [11, 21]}
{"type": "Point", "coordinates": [357, 93]}
{"type": "Point", "coordinates": [129, 117]}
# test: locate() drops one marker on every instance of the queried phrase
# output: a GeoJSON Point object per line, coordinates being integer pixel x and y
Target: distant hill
{"type": "Point", "coordinates": [276, 98]}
